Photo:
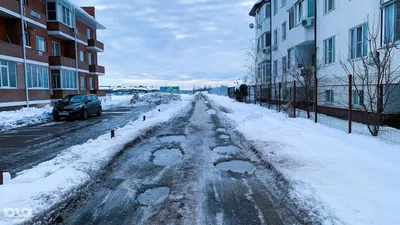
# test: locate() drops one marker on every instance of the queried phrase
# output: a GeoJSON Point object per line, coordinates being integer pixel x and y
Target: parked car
{"type": "Point", "coordinates": [77, 107]}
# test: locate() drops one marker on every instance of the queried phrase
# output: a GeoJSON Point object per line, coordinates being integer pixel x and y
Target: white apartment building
{"type": "Point", "coordinates": [341, 30]}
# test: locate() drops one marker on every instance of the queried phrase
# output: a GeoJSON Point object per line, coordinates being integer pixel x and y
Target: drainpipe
{"type": "Point", "coordinates": [24, 50]}
{"type": "Point", "coordinates": [76, 52]}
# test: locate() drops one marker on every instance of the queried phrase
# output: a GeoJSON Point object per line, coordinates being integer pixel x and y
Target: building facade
{"type": "Point", "coordinates": [48, 49]}
{"type": "Point", "coordinates": [327, 36]}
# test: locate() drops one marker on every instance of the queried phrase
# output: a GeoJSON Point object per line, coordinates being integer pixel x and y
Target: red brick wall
{"type": "Point", "coordinates": [3, 30]}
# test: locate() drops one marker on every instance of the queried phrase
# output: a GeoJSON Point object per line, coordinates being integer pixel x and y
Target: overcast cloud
{"type": "Point", "coordinates": [178, 42]}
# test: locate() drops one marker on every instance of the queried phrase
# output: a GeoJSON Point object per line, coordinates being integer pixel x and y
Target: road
{"type": "Point", "coordinates": [25, 147]}
{"type": "Point", "coordinates": [192, 171]}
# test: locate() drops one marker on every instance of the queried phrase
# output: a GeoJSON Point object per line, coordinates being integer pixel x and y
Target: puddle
{"type": "Point", "coordinates": [222, 130]}
{"type": "Point", "coordinates": [211, 111]}
{"type": "Point", "coordinates": [236, 166]}
{"type": "Point", "coordinates": [206, 102]}
{"type": "Point", "coordinates": [226, 149]}
{"type": "Point", "coordinates": [224, 136]}
{"type": "Point", "coordinates": [167, 157]}
{"type": "Point", "coordinates": [154, 196]}
{"type": "Point", "coordinates": [172, 138]}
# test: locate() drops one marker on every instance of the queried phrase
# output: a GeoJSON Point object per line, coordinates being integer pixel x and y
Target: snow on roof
{"type": "Point", "coordinates": [256, 6]}
{"type": "Point", "coordinates": [83, 15]}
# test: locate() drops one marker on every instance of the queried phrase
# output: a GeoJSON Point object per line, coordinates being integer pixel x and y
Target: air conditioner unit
{"type": "Point", "coordinates": [267, 50]}
{"type": "Point", "coordinates": [307, 22]}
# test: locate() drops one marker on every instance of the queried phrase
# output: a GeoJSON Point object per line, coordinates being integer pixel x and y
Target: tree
{"type": "Point", "coordinates": [253, 56]}
{"type": "Point", "coordinates": [375, 78]}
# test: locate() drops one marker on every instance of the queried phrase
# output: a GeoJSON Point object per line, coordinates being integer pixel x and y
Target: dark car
{"type": "Point", "coordinates": [77, 107]}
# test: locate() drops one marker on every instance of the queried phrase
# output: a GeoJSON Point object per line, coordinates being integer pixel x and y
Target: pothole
{"type": "Point", "coordinates": [226, 149]}
{"type": "Point", "coordinates": [172, 138]}
{"type": "Point", "coordinates": [154, 196]}
{"type": "Point", "coordinates": [211, 111]}
{"type": "Point", "coordinates": [222, 130]}
{"type": "Point", "coordinates": [236, 166]}
{"type": "Point", "coordinates": [224, 136]}
{"type": "Point", "coordinates": [167, 157]}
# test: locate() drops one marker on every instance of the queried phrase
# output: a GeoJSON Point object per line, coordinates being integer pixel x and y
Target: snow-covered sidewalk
{"type": "Point", "coordinates": [344, 179]}
{"type": "Point", "coordinates": [35, 190]}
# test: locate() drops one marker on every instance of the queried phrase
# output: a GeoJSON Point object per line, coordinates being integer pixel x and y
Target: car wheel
{"type": "Point", "coordinates": [100, 112]}
{"type": "Point", "coordinates": [85, 115]}
{"type": "Point", "coordinates": [56, 118]}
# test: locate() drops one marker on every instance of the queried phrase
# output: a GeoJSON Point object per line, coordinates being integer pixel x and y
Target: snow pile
{"type": "Point", "coordinates": [39, 188]}
{"type": "Point", "coordinates": [24, 116]}
{"type": "Point", "coordinates": [116, 101]}
{"type": "Point", "coordinates": [158, 98]}
{"type": "Point", "coordinates": [341, 178]}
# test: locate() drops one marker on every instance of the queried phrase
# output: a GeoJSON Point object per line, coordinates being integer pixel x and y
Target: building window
{"type": "Point", "coordinates": [51, 11]}
{"type": "Point", "coordinates": [329, 96]}
{"type": "Point", "coordinates": [329, 50]}
{"type": "Point", "coordinates": [392, 22]}
{"type": "Point", "coordinates": [38, 76]}
{"type": "Point", "coordinates": [276, 37]}
{"type": "Point", "coordinates": [27, 41]}
{"type": "Point", "coordinates": [329, 5]}
{"type": "Point", "coordinates": [311, 9]}
{"type": "Point", "coordinates": [56, 48]}
{"type": "Point", "coordinates": [68, 79]}
{"type": "Point", "coordinates": [91, 83]}
{"type": "Point", "coordinates": [56, 81]}
{"type": "Point", "coordinates": [283, 3]}
{"type": "Point", "coordinates": [83, 83]}
{"type": "Point", "coordinates": [8, 76]}
{"type": "Point", "coordinates": [64, 15]}
{"type": "Point", "coordinates": [284, 65]}
{"type": "Point", "coordinates": [359, 41]}
{"type": "Point", "coordinates": [267, 11]}
{"type": "Point", "coordinates": [89, 33]}
{"type": "Point", "coordinates": [82, 56]}
{"type": "Point", "coordinates": [40, 43]}
{"type": "Point", "coordinates": [267, 39]}
{"type": "Point", "coordinates": [290, 58]}
{"type": "Point", "coordinates": [283, 31]}
{"type": "Point", "coordinates": [275, 7]}
{"type": "Point", "coordinates": [291, 19]}
{"type": "Point", "coordinates": [90, 58]}
{"type": "Point", "coordinates": [275, 69]}
{"type": "Point", "coordinates": [299, 11]}
{"type": "Point", "coordinates": [358, 97]}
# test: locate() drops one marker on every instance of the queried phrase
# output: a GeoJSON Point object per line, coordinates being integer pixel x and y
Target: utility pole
{"type": "Point", "coordinates": [315, 65]}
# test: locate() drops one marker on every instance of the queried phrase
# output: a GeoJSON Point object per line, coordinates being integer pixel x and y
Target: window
{"type": "Point", "coordinates": [299, 12]}
{"type": "Point", "coordinates": [291, 19]}
{"type": "Point", "coordinates": [267, 11]}
{"type": "Point", "coordinates": [68, 79]}
{"type": "Point", "coordinates": [284, 65]}
{"type": "Point", "coordinates": [82, 56]}
{"type": "Point", "coordinates": [56, 80]}
{"type": "Point", "coordinates": [51, 11]}
{"type": "Point", "coordinates": [64, 15]}
{"type": "Point", "coordinates": [275, 69]}
{"type": "Point", "coordinates": [290, 58]}
{"type": "Point", "coordinates": [329, 50]}
{"type": "Point", "coordinates": [358, 97]}
{"type": "Point", "coordinates": [40, 43]}
{"type": "Point", "coordinates": [27, 41]}
{"type": "Point", "coordinates": [311, 9]}
{"type": "Point", "coordinates": [24, 2]}
{"type": "Point", "coordinates": [283, 3]}
{"type": "Point", "coordinates": [276, 37]}
{"type": "Point", "coordinates": [8, 78]}
{"type": "Point", "coordinates": [89, 33]}
{"type": "Point", "coordinates": [392, 22]}
{"type": "Point", "coordinates": [91, 83]}
{"type": "Point", "coordinates": [284, 31]}
{"type": "Point", "coordinates": [90, 58]}
{"type": "Point", "coordinates": [83, 83]}
{"type": "Point", "coordinates": [359, 41]}
{"type": "Point", "coordinates": [267, 39]}
{"type": "Point", "coordinates": [38, 76]}
{"type": "Point", "coordinates": [329, 96]}
{"type": "Point", "coordinates": [275, 7]}
{"type": "Point", "coordinates": [329, 5]}
{"type": "Point", "coordinates": [56, 48]}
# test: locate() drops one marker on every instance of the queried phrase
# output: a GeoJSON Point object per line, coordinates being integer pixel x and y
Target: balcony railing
{"type": "Point", "coordinates": [11, 50]}
{"type": "Point", "coordinates": [64, 32]}
{"type": "Point", "coordinates": [35, 55]}
{"type": "Point", "coordinates": [96, 69]}
{"type": "Point", "coordinates": [95, 45]}
{"type": "Point", "coordinates": [61, 61]}
{"type": "Point", "coordinates": [83, 66]}
{"type": "Point", "coordinates": [11, 5]}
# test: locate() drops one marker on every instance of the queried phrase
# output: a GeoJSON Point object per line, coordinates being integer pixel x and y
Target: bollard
{"type": "Point", "coordinates": [1, 177]}
{"type": "Point", "coordinates": [112, 134]}
{"type": "Point", "coordinates": [159, 110]}
{"type": "Point", "coordinates": [144, 118]}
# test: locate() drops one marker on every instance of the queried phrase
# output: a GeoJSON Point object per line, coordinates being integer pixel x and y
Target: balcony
{"type": "Point", "coordinates": [10, 8]}
{"type": "Point", "coordinates": [83, 66]}
{"type": "Point", "coordinates": [58, 61]}
{"type": "Point", "coordinates": [32, 54]}
{"type": "Point", "coordinates": [96, 70]}
{"type": "Point", "coordinates": [11, 50]}
{"type": "Point", "coordinates": [95, 45]}
{"type": "Point", "coordinates": [63, 32]}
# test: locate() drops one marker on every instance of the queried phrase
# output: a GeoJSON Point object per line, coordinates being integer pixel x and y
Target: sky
{"type": "Point", "coordinates": [173, 42]}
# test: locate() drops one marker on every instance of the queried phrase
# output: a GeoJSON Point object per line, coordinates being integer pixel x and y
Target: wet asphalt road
{"type": "Point", "coordinates": [25, 147]}
{"type": "Point", "coordinates": [197, 192]}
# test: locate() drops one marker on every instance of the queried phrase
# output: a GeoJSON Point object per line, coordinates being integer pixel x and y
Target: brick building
{"type": "Point", "coordinates": [60, 53]}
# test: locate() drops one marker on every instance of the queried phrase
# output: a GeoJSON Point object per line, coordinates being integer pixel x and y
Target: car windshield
{"type": "Point", "coordinates": [66, 99]}
{"type": "Point", "coordinates": [77, 99]}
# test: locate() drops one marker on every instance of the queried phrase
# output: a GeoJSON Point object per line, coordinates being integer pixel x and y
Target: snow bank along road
{"type": "Point", "coordinates": [193, 170]}
{"type": "Point", "coordinates": [24, 147]}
